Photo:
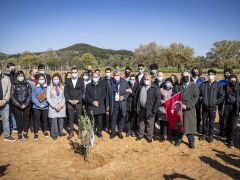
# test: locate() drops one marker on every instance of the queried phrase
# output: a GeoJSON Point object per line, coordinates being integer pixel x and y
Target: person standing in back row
{"type": "Point", "coordinates": [74, 91]}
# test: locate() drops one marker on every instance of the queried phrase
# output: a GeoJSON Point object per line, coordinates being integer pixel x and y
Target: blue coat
{"type": "Point", "coordinates": [122, 92]}
{"type": "Point", "coordinates": [37, 90]}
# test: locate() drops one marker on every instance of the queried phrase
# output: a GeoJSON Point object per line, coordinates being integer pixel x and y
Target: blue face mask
{"type": "Point", "coordinates": [131, 81]}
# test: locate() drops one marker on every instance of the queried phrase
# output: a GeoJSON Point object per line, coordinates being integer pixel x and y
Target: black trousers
{"type": "Point", "coordinates": [38, 116]}
{"type": "Point", "coordinates": [199, 114]}
{"type": "Point", "coordinates": [222, 120]}
{"type": "Point", "coordinates": [231, 121]}
{"type": "Point", "coordinates": [209, 116]}
{"type": "Point", "coordinates": [73, 110]}
{"type": "Point", "coordinates": [117, 118]}
{"type": "Point", "coordinates": [131, 122]}
{"type": "Point", "coordinates": [22, 119]}
{"type": "Point", "coordinates": [98, 122]}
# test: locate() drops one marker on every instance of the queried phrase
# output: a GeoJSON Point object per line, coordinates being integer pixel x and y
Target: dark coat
{"type": "Point", "coordinates": [21, 93]}
{"type": "Point", "coordinates": [96, 93]}
{"type": "Point", "coordinates": [141, 82]}
{"type": "Point", "coordinates": [72, 93]}
{"type": "Point", "coordinates": [190, 98]}
{"type": "Point", "coordinates": [211, 96]}
{"type": "Point", "coordinates": [122, 92]}
{"type": "Point", "coordinates": [153, 100]}
{"type": "Point", "coordinates": [235, 97]}
{"type": "Point", "coordinates": [130, 100]}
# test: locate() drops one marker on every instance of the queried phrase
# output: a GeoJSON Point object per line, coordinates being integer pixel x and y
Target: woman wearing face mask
{"type": "Point", "coordinates": [21, 98]}
{"type": "Point", "coordinates": [57, 106]}
{"type": "Point", "coordinates": [166, 92]}
{"type": "Point", "coordinates": [40, 106]}
{"type": "Point", "coordinates": [231, 109]}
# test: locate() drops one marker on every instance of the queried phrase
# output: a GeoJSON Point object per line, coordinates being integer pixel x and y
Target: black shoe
{"type": "Point", "coordinates": [177, 143]}
{"type": "Point", "coordinates": [120, 135]}
{"type": "Point", "coordinates": [133, 134]}
{"type": "Point", "coordinates": [149, 140]}
{"type": "Point", "coordinates": [25, 136]}
{"type": "Point", "coordinates": [202, 138]}
{"type": "Point", "coordinates": [112, 135]}
{"type": "Point", "coordinates": [54, 138]}
{"type": "Point", "coordinates": [231, 144]}
{"type": "Point", "coordinates": [35, 137]}
{"type": "Point", "coordinates": [191, 146]}
{"type": "Point", "coordinates": [62, 134]}
{"type": "Point", "coordinates": [46, 134]}
{"type": "Point", "coordinates": [99, 134]}
{"type": "Point", "coordinates": [20, 138]}
{"type": "Point", "coordinates": [128, 134]}
{"type": "Point", "coordinates": [221, 134]}
{"type": "Point", "coordinates": [139, 138]}
{"type": "Point", "coordinates": [210, 139]}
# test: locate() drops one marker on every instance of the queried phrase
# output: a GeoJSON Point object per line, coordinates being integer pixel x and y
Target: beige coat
{"type": "Point", "coordinates": [6, 87]}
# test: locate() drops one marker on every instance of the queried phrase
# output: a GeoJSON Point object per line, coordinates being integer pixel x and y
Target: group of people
{"type": "Point", "coordinates": [130, 103]}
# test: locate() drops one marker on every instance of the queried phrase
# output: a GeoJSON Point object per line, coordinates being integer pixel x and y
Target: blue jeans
{"type": "Point", "coordinates": [4, 112]}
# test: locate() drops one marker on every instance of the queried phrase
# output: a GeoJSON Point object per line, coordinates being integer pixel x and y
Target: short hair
{"type": "Point", "coordinates": [74, 68]}
{"type": "Point", "coordinates": [128, 68]}
{"type": "Point", "coordinates": [154, 66]}
{"type": "Point", "coordinates": [97, 70]}
{"type": "Point", "coordinates": [233, 76]}
{"type": "Point", "coordinates": [20, 72]}
{"type": "Point", "coordinates": [115, 71]}
{"type": "Point", "coordinates": [10, 64]}
{"type": "Point", "coordinates": [42, 75]}
{"type": "Point", "coordinates": [140, 65]}
{"type": "Point", "coordinates": [41, 66]}
{"type": "Point", "coordinates": [212, 71]}
{"type": "Point", "coordinates": [169, 79]}
{"type": "Point", "coordinates": [230, 70]}
{"type": "Point", "coordinates": [199, 70]}
{"type": "Point", "coordinates": [132, 76]}
{"type": "Point", "coordinates": [108, 69]}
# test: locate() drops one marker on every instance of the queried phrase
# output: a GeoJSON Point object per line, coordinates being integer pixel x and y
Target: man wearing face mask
{"type": "Point", "coordinates": [140, 76]}
{"type": "Point", "coordinates": [131, 118]}
{"type": "Point", "coordinates": [90, 71]}
{"type": "Point", "coordinates": [42, 70]}
{"type": "Point", "coordinates": [198, 79]}
{"type": "Point", "coordinates": [5, 94]}
{"type": "Point", "coordinates": [32, 80]}
{"type": "Point", "coordinates": [190, 97]}
{"type": "Point", "coordinates": [11, 71]}
{"type": "Point", "coordinates": [74, 91]}
{"type": "Point", "coordinates": [127, 73]}
{"type": "Point", "coordinates": [118, 92]}
{"type": "Point", "coordinates": [159, 80]}
{"type": "Point", "coordinates": [96, 98]}
{"type": "Point", "coordinates": [211, 95]}
{"type": "Point", "coordinates": [222, 121]}
{"type": "Point", "coordinates": [153, 70]}
{"type": "Point", "coordinates": [147, 101]}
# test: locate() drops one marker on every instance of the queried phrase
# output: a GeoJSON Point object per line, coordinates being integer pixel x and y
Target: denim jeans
{"type": "Point", "coordinates": [4, 112]}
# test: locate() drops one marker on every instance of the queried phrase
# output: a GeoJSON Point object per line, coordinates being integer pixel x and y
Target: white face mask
{"type": "Point", "coordinates": [154, 71]}
{"type": "Point", "coordinates": [74, 75]}
{"type": "Point", "coordinates": [211, 77]}
{"type": "Point", "coordinates": [117, 78]}
{"type": "Point", "coordinates": [168, 85]}
{"type": "Point", "coordinates": [95, 80]}
{"type": "Point", "coordinates": [41, 72]}
{"type": "Point", "coordinates": [20, 78]}
{"type": "Point", "coordinates": [160, 78]}
{"type": "Point", "coordinates": [147, 82]}
{"type": "Point", "coordinates": [108, 75]}
{"type": "Point", "coordinates": [41, 81]}
{"type": "Point", "coordinates": [85, 78]}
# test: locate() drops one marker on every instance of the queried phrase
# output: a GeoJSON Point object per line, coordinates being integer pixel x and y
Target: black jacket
{"type": "Point", "coordinates": [153, 100]}
{"type": "Point", "coordinates": [72, 93]}
{"type": "Point", "coordinates": [211, 96]}
{"type": "Point", "coordinates": [21, 93]}
{"type": "Point", "coordinates": [96, 93]}
{"type": "Point", "coordinates": [130, 100]}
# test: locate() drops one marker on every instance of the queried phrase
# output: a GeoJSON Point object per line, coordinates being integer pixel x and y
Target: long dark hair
{"type": "Point", "coordinates": [59, 77]}
{"type": "Point", "coordinates": [231, 88]}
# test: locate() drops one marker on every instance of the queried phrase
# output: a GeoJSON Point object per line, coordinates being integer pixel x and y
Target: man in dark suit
{"type": "Point", "coordinates": [140, 76]}
{"type": "Point", "coordinates": [118, 92]}
{"type": "Point", "coordinates": [95, 97]}
{"type": "Point", "coordinates": [74, 91]}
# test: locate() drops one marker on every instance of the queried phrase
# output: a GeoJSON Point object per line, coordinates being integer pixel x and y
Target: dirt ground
{"type": "Point", "coordinates": [118, 159]}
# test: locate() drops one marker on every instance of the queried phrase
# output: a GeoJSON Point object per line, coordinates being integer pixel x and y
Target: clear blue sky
{"type": "Point", "coordinates": [37, 25]}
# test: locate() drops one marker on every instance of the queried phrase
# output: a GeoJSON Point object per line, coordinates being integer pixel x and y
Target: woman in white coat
{"type": "Point", "coordinates": [57, 106]}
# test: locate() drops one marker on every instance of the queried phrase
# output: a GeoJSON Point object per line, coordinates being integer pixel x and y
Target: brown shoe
{"type": "Point", "coordinates": [9, 139]}
{"type": "Point", "coordinates": [70, 135]}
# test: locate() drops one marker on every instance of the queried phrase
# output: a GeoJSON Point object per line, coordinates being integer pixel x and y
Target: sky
{"type": "Point", "coordinates": [39, 25]}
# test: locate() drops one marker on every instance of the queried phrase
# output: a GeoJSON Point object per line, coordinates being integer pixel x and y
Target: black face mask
{"type": "Point", "coordinates": [185, 79]}
{"type": "Point", "coordinates": [194, 74]}
{"type": "Point", "coordinates": [127, 74]}
{"type": "Point", "coordinates": [89, 71]}
{"type": "Point", "coordinates": [226, 76]}
{"type": "Point", "coordinates": [13, 72]}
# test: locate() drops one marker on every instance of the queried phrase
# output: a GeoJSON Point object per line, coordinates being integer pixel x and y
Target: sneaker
{"type": "Point", "coordinates": [62, 134]}
{"type": "Point", "coordinates": [210, 139]}
{"type": "Point", "coordinates": [99, 134]}
{"type": "Point", "coordinates": [20, 138]}
{"type": "Point", "coordinates": [128, 133]}
{"type": "Point", "coordinates": [120, 135]}
{"type": "Point", "coordinates": [46, 134]}
{"type": "Point", "coordinates": [178, 143]}
{"type": "Point", "coordinates": [202, 138]}
{"type": "Point", "coordinates": [9, 139]}
{"type": "Point", "coordinates": [25, 136]}
{"type": "Point", "coordinates": [149, 140]}
{"type": "Point", "coordinates": [112, 135]}
{"type": "Point", "coordinates": [191, 146]}
{"type": "Point", "coordinates": [231, 144]}
{"type": "Point", "coordinates": [133, 134]}
{"type": "Point", "coordinates": [35, 137]}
